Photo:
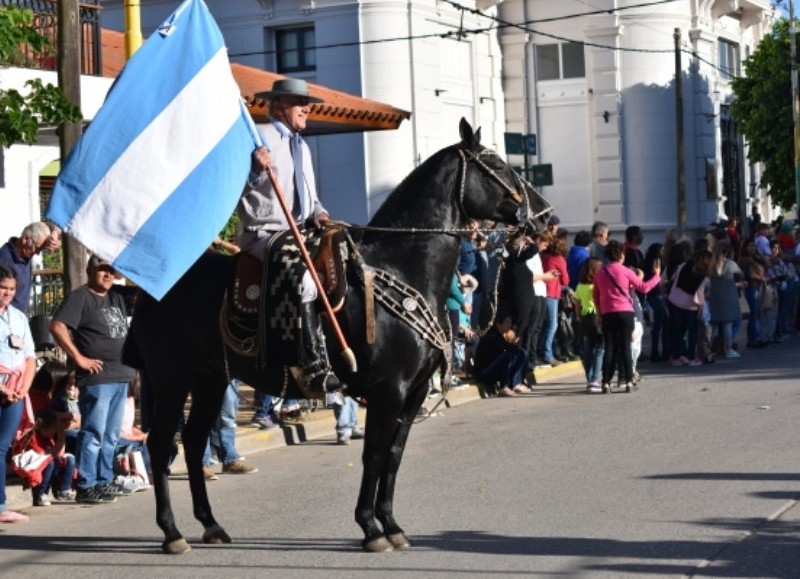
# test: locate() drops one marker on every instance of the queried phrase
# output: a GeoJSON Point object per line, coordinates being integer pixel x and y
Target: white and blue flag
{"type": "Point", "coordinates": [161, 167]}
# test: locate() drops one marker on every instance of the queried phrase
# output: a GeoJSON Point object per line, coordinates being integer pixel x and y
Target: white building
{"type": "Point", "coordinates": [599, 90]}
{"type": "Point", "coordinates": [24, 165]}
{"type": "Point", "coordinates": [406, 54]}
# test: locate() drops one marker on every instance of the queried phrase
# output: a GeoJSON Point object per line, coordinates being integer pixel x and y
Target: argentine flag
{"type": "Point", "coordinates": [159, 171]}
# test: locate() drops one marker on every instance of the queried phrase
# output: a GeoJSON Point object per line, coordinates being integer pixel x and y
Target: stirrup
{"type": "Point", "coordinates": [321, 379]}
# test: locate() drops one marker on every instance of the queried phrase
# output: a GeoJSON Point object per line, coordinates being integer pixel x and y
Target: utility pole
{"type": "Point", "coordinates": [133, 28]}
{"type": "Point", "coordinates": [69, 81]}
{"type": "Point", "coordinates": [681, 178]}
{"type": "Point", "coordinates": [795, 107]}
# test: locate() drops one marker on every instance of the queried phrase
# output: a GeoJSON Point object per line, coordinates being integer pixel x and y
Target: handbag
{"type": "Point", "coordinates": [678, 297]}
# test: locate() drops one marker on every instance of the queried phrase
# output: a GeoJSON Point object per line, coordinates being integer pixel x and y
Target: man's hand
{"type": "Point", "coordinates": [91, 365]}
{"type": "Point", "coordinates": [261, 160]}
{"type": "Point", "coordinates": [321, 220]}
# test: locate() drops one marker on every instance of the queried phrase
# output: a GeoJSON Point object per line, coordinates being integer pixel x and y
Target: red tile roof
{"type": "Point", "coordinates": [340, 113]}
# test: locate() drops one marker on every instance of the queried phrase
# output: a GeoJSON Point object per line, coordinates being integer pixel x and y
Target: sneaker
{"type": "Point", "coordinates": [358, 433]}
{"type": "Point", "coordinates": [113, 490]}
{"type": "Point", "coordinates": [343, 436]}
{"type": "Point", "coordinates": [131, 484]}
{"type": "Point", "coordinates": [238, 467]}
{"type": "Point", "coordinates": [507, 392]}
{"type": "Point", "coordinates": [732, 354]}
{"type": "Point", "coordinates": [265, 423]}
{"type": "Point", "coordinates": [682, 361]}
{"type": "Point", "coordinates": [209, 474]}
{"type": "Point", "coordinates": [521, 389]}
{"type": "Point", "coordinates": [554, 362]}
{"type": "Point", "coordinates": [696, 362]}
{"type": "Point", "coordinates": [41, 500]}
{"type": "Point", "coordinates": [65, 496]}
{"type": "Point", "coordinates": [593, 388]}
{"type": "Point", "coordinates": [13, 517]}
{"type": "Point", "coordinates": [93, 496]}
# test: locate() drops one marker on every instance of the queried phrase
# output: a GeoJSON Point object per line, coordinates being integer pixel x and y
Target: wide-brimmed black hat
{"type": "Point", "coordinates": [289, 87]}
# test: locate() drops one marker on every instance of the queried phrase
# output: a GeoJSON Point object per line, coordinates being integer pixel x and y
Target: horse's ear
{"type": "Point", "coordinates": [469, 138]}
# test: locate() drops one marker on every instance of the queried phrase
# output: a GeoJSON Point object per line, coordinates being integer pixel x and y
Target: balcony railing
{"type": "Point", "coordinates": [46, 24]}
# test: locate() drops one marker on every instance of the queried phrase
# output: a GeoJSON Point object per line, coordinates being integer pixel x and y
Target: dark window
{"type": "Point", "coordinates": [547, 62]}
{"type": "Point", "coordinates": [729, 59]}
{"type": "Point", "coordinates": [296, 50]}
{"type": "Point", "coordinates": [559, 61]}
{"type": "Point", "coordinates": [572, 58]}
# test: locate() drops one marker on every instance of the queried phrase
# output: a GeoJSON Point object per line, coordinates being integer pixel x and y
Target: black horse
{"type": "Point", "coordinates": [410, 247]}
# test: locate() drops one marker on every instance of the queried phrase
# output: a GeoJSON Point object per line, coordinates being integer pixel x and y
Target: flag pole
{"type": "Point", "coordinates": [346, 352]}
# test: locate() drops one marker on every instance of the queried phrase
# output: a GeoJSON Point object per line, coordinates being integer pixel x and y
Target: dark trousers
{"type": "Point", "coordinates": [617, 333]}
{"type": "Point", "coordinates": [531, 339]}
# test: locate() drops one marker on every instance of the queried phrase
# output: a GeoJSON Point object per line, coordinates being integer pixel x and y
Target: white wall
{"type": "Point", "coordinates": [20, 196]}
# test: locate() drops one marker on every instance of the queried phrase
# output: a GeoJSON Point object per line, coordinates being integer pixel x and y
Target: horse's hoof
{"type": "Point", "coordinates": [399, 540]}
{"type": "Point", "coordinates": [378, 545]}
{"type": "Point", "coordinates": [216, 535]}
{"type": "Point", "coordinates": [176, 547]}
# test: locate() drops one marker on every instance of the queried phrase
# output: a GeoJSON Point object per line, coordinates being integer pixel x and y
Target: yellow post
{"type": "Point", "coordinates": [133, 28]}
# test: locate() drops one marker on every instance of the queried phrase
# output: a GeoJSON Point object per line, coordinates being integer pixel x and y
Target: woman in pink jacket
{"type": "Point", "coordinates": [612, 297]}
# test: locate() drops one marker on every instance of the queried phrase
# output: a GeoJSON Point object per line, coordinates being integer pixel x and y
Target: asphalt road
{"type": "Point", "coordinates": [696, 474]}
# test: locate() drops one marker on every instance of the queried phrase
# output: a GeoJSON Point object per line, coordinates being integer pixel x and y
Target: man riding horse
{"type": "Point", "coordinates": [262, 217]}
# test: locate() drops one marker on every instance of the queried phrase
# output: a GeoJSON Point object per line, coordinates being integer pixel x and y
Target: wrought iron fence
{"type": "Point", "coordinates": [47, 292]}
{"type": "Point", "coordinates": [46, 23]}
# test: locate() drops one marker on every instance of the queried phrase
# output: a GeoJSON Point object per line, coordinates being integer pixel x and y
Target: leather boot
{"type": "Point", "coordinates": [314, 355]}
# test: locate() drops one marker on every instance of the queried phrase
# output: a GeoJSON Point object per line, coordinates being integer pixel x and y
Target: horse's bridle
{"type": "Point", "coordinates": [517, 192]}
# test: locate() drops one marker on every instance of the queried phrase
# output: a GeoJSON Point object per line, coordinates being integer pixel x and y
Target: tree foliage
{"type": "Point", "coordinates": [22, 113]}
{"type": "Point", "coordinates": [763, 110]}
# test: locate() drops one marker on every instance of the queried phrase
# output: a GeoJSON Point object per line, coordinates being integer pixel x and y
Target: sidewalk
{"type": "Point", "coordinates": [317, 425]}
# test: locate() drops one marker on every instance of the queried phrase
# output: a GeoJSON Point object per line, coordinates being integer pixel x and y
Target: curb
{"type": "Point", "coordinates": [319, 425]}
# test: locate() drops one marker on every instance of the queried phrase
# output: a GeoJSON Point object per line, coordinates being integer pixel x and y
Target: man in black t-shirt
{"type": "Point", "coordinates": [90, 326]}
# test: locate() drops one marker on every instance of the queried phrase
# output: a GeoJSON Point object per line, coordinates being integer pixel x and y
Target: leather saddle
{"type": "Point", "coordinates": [329, 260]}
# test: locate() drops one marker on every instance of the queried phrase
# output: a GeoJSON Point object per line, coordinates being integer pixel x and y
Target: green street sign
{"type": "Point", "coordinates": [542, 174]}
{"type": "Point", "coordinates": [514, 144]}
{"type": "Point", "coordinates": [530, 144]}
{"type": "Point", "coordinates": [519, 144]}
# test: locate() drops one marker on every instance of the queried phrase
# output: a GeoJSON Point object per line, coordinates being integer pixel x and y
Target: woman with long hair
{"type": "Point", "coordinates": [687, 296]}
{"type": "Point", "coordinates": [723, 298]}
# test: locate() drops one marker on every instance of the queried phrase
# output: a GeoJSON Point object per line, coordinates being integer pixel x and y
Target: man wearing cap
{"type": "Point", "coordinates": [261, 215]}
{"type": "Point", "coordinates": [90, 326]}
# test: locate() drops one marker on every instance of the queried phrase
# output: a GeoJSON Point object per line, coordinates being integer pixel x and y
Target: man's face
{"type": "Point", "coordinates": [31, 246]}
{"type": "Point", "coordinates": [292, 111]}
{"type": "Point", "coordinates": [102, 277]}
{"type": "Point", "coordinates": [603, 237]}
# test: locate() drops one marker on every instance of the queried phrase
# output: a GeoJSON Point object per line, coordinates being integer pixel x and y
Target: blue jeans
{"type": "Point", "coordinates": [223, 433]}
{"type": "Point", "coordinates": [66, 472]}
{"type": "Point", "coordinates": [509, 368]}
{"type": "Point", "coordinates": [102, 407]}
{"type": "Point", "coordinates": [591, 349]}
{"type": "Point", "coordinates": [10, 415]}
{"type": "Point", "coordinates": [264, 404]}
{"type": "Point", "coordinates": [346, 414]}
{"type": "Point", "coordinates": [659, 344]}
{"type": "Point", "coordinates": [550, 328]}
{"type": "Point", "coordinates": [753, 297]}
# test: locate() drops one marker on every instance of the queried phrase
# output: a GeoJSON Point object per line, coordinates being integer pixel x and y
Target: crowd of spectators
{"type": "Point", "coordinates": [598, 297]}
